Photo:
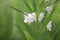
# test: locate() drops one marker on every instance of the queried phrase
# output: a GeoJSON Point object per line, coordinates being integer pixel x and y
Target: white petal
{"type": "Point", "coordinates": [25, 21]}
{"type": "Point", "coordinates": [41, 16]}
{"type": "Point", "coordinates": [33, 14]}
{"type": "Point", "coordinates": [29, 15]}
{"type": "Point", "coordinates": [49, 25]}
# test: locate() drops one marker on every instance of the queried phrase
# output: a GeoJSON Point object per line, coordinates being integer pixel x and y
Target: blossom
{"type": "Point", "coordinates": [49, 8]}
{"type": "Point", "coordinates": [30, 18]}
{"type": "Point", "coordinates": [41, 16]}
{"type": "Point", "coordinates": [49, 25]}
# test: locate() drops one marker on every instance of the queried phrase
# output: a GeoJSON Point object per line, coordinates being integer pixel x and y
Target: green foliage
{"type": "Point", "coordinates": [12, 26]}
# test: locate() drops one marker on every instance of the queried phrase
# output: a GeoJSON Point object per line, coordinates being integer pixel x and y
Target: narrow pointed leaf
{"type": "Point", "coordinates": [56, 1]}
{"type": "Point", "coordinates": [28, 36]}
{"type": "Point", "coordinates": [34, 5]}
{"type": "Point", "coordinates": [29, 8]}
{"type": "Point", "coordinates": [41, 6]}
{"type": "Point", "coordinates": [16, 9]}
{"type": "Point", "coordinates": [57, 29]}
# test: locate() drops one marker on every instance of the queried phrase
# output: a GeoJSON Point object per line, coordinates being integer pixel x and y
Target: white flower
{"type": "Point", "coordinates": [49, 25]}
{"type": "Point", "coordinates": [49, 8]}
{"type": "Point", "coordinates": [30, 18]}
{"type": "Point", "coordinates": [41, 16]}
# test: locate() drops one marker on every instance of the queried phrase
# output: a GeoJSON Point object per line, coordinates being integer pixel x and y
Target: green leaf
{"type": "Point", "coordinates": [16, 9]}
{"type": "Point", "coordinates": [28, 36]}
{"type": "Point", "coordinates": [44, 35]}
{"type": "Point", "coordinates": [57, 29]}
{"type": "Point", "coordinates": [34, 5]}
{"type": "Point", "coordinates": [56, 1]}
{"type": "Point", "coordinates": [41, 6]}
{"type": "Point", "coordinates": [29, 8]}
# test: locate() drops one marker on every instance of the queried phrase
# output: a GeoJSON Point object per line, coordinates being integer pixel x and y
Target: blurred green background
{"type": "Point", "coordinates": [10, 20]}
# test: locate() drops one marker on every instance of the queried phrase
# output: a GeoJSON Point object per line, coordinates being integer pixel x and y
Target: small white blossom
{"type": "Point", "coordinates": [49, 9]}
{"type": "Point", "coordinates": [49, 25]}
{"type": "Point", "coordinates": [30, 18]}
{"type": "Point", "coordinates": [41, 16]}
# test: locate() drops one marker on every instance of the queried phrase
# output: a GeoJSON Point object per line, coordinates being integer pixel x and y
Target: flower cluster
{"type": "Point", "coordinates": [31, 17]}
